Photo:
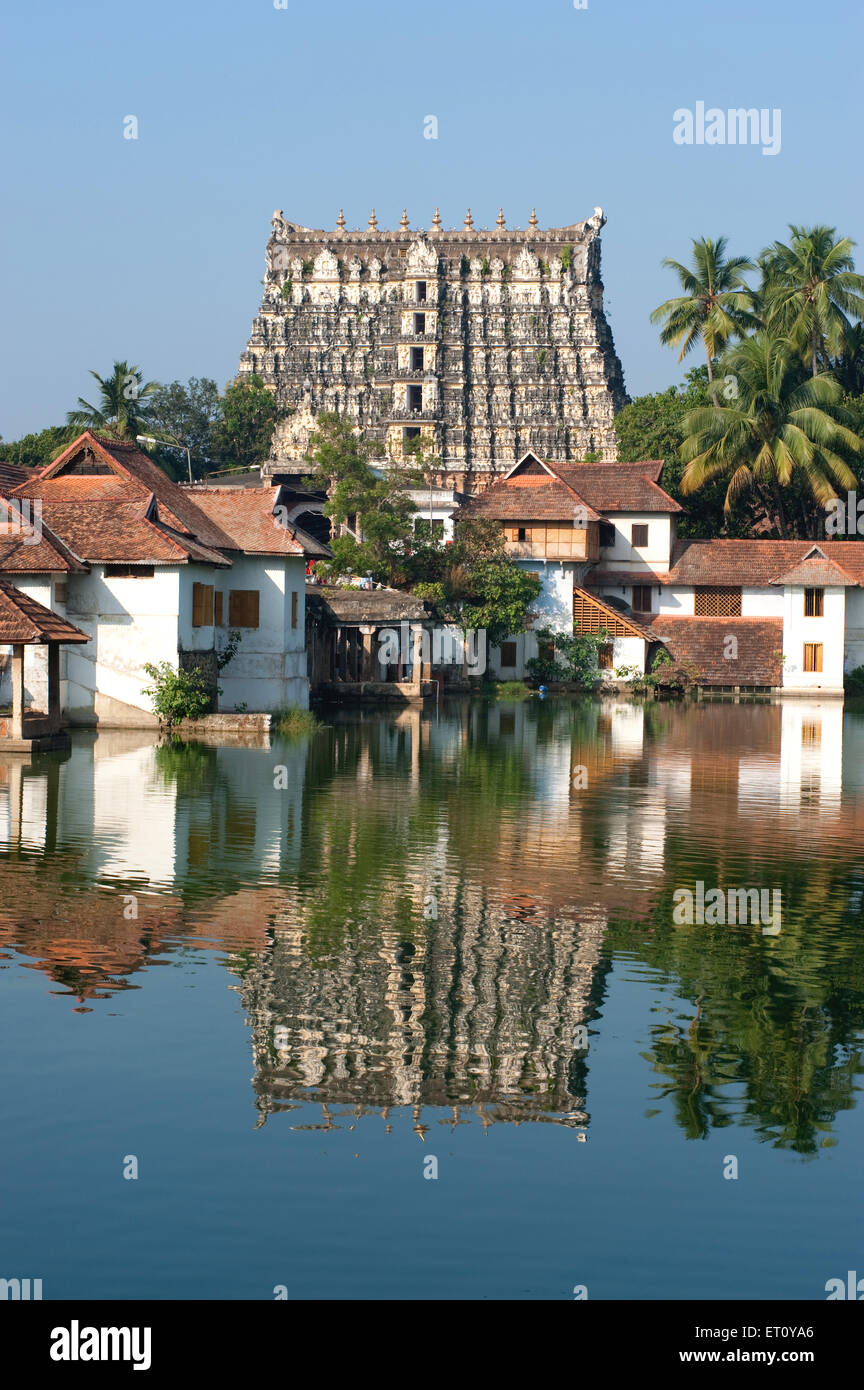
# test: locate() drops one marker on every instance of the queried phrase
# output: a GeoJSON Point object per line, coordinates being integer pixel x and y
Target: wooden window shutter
{"type": "Point", "coordinates": [293, 607]}
{"type": "Point", "coordinates": [217, 610]}
{"type": "Point", "coordinates": [243, 608]}
{"type": "Point", "coordinates": [814, 603]}
{"type": "Point", "coordinates": [812, 656]}
{"type": "Point", "coordinates": [202, 605]}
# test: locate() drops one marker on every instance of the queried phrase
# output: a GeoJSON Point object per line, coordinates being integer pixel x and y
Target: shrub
{"type": "Point", "coordinates": [177, 695]}
{"type": "Point", "coordinates": [292, 722]}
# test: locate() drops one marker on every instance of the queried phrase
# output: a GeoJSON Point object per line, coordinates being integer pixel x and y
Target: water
{"type": "Point", "coordinates": [389, 961]}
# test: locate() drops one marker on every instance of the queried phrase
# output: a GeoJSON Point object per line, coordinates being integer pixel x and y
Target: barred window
{"type": "Point", "coordinates": [814, 603]}
{"type": "Point", "coordinates": [717, 603]}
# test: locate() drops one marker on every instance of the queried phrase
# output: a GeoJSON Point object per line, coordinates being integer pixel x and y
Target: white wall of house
{"type": "Point", "coordinates": [269, 670]}
{"type": "Point", "coordinates": [130, 622]}
{"type": "Point", "coordinates": [626, 651]}
{"type": "Point", "coordinates": [829, 630]}
{"type": "Point", "coordinates": [762, 603]}
{"type": "Point", "coordinates": [654, 555]}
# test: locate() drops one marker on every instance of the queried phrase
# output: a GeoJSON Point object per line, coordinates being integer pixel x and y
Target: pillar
{"type": "Point", "coordinates": [18, 690]}
{"type": "Point", "coordinates": [54, 686]}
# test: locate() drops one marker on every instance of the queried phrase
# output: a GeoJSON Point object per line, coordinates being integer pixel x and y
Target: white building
{"type": "Point", "coordinates": [154, 572]}
{"type": "Point", "coordinates": [747, 614]}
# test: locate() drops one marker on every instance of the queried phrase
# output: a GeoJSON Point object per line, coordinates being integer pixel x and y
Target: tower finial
{"type": "Point", "coordinates": [532, 220]}
{"type": "Point", "coordinates": [340, 221]}
{"type": "Point", "coordinates": [373, 221]}
{"type": "Point", "coordinates": [436, 221]}
{"type": "Point", "coordinates": [469, 221]}
{"type": "Point", "coordinates": [501, 223]}
{"type": "Point", "coordinates": [404, 223]}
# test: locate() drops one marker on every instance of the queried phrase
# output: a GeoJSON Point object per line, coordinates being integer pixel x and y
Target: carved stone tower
{"type": "Point", "coordinates": [481, 343]}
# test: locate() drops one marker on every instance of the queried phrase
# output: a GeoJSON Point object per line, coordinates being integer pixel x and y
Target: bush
{"type": "Point", "coordinates": [572, 658]}
{"type": "Point", "coordinates": [177, 695]}
{"type": "Point", "coordinates": [291, 722]}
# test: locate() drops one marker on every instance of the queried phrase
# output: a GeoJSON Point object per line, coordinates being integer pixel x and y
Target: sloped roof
{"type": "Point", "coordinates": [755, 563]}
{"type": "Point", "coordinates": [121, 531]}
{"type": "Point", "coordinates": [818, 571]}
{"type": "Point", "coordinates": [22, 619]}
{"type": "Point", "coordinates": [44, 554]}
{"type": "Point", "coordinates": [704, 641]}
{"type": "Point", "coordinates": [636, 629]}
{"type": "Point", "coordinates": [619, 487]}
{"type": "Point", "coordinates": [245, 515]}
{"type": "Point", "coordinates": [353, 606]}
{"type": "Point", "coordinates": [535, 490]}
{"type": "Point", "coordinates": [13, 475]}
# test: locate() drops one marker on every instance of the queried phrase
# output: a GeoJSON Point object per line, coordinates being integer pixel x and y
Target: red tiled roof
{"type": "Point", "coordinates": [47, 556]}
{"type": "Point", "coordinates": [540, 491]}
{"type": "Point", "coordinates": [121, 531]}
{"type": "Point", "coordinates": [13, 475]}
{"type": "Point", "coordinates": [818, 571]}
{"type": "Point", "coordinates": [245, 515]}
{"type": "Point", "coordinates": [704, 641]}
{"type": "Point", "coordinates": [619, 487]}
{"type": "Point", "coordinates": [22, 619]}
{"type": "Point", "coordinates": [753, 563]}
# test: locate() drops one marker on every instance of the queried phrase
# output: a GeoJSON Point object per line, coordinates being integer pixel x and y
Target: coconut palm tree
{"type": "Point", "coordinates": [783, 433]}
{"type": "Point", "coordinates": [717, 303]}
{"type": "Point", "coordinates": [811, 290]}
{"type": "Point", "coordinates": [122, 410]}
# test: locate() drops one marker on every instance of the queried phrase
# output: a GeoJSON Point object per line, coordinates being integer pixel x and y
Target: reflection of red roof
{"type": "Point", "coordinates": [753, 659]}
{"type": "Point", "coordinates": [22, 619]}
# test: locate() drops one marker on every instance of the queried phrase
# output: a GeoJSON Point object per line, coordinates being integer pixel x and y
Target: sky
{"type": "Point", "coordinates": [152, 249]}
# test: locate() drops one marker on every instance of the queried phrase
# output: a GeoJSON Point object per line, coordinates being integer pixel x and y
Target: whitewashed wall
{"type": "Point", "coordinates": [829, 630]}
{"type": "Point", "coordinates": [269, 670]}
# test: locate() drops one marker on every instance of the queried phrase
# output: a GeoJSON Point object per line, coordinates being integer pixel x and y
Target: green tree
{"type": "Point", "coordinates": [716, 306]}
{"type": "Point", "coordinates": [810, 291]}
{"type": "Point", "coordinates": [38, 450]}
{"type": "Point", "coordinates": [177, 694]}
{"type": "Point", "coordinates": [784, 439]}
{"type": "Point", "coordinates": [483, 587]}
{"type": "Point", "coordinates": [123, 409]}
{"type": "Point", "coordinates": [243, 436]}
{"type": "Point", "coordinates": [373, 503]}
{"type": "Point", "coordinates": [187, 416]}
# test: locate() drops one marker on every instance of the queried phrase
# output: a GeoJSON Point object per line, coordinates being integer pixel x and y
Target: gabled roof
{"type": "Point", "coordinates": [536, 490]}
{"type": "Point", "coordinates": [32, 548]}
{"type": "Point", "coordinates": [120, 531]}
{"type": "Point", "coordinates": [816, 570]}
{"type": "Point", "coordinates": [22, 619]}
{"type": "Point", "coordinates": [126, 474]}
{"type": "Point", "coordinates": [13, 475]}
{"type": "Point", "coordinates": [245, 515]}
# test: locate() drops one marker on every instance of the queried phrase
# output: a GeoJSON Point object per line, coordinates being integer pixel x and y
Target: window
{"type": "Point", "coordinates": [508, 654]}
{"type": "Point", "coordinates": [604, 656]}
{"type": "Point", "coordinates": [293, 607]}
{"type": "Point", "coordinates": [521, 533]}
{"type": "Point", "coordinates": [419, 323]}
{"type": "Point", "coordinates": [243, 608]}
{"type": "Point", "coordinates": [416, 359]}
{"type": "Point", "coordinates": [202, 605]}
{"type": "Point", "coordinates": [639, 534]}
{"type": "Point", "coordinates": [642, 598]}
{"type": "Point", "coordinates": [61, 591]}
{"type": "Point", "coordinates": [420, 291]}
{"type": "Point", "coordinates": [814, 603]}
{"type": "Point", "coordinates": [129, 571]}
{"type": "Point", "coordinates": [812, 656]}
{"type": "Point", "coordinates": [717, 603]}
{"type": "Point", "coordinates": [607, 533]}
{"type": "Point", "coordinates": [217, 610]}
{"type": "Point", "coordinates": [410, 433]}
{"type": "Point", "coordinates": [415, 398]}
{"type": "Point", "coordinates": [533, 574]}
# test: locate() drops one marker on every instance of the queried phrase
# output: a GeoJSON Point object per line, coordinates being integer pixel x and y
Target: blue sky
{"type": "Point", "coordinates": [153, 249]}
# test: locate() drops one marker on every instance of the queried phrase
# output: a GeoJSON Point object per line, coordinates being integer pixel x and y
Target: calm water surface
{"type": "Point", "coordinates": [389, 961]}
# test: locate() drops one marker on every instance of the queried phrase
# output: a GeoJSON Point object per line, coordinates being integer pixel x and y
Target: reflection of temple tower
{"type": "Point", "coordinates": [477, 1007]}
